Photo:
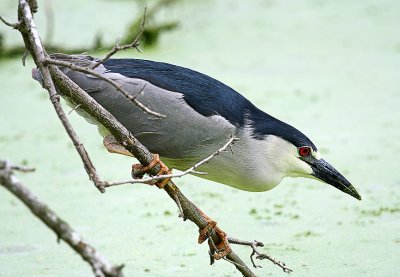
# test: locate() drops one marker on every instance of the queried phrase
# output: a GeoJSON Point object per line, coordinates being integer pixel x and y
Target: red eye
{"type": "Point", "coordinates": [304, 151]}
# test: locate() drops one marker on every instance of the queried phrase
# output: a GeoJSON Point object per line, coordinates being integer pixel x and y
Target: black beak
{"type": "Point", "coordinates": [327, 173]}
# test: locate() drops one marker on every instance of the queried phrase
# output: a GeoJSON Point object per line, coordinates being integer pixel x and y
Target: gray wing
{"type": "Point", "coordinates": [184, 134]}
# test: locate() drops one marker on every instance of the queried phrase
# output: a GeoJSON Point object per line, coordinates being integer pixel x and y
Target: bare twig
{"type": "Point", "coordinates": [24, 56]}
{"type": "Point", "coordinates": [178, 203]}
{"type": "Point", "coordinates": [199, 172]}
{"type": "Point", "coordinates": [12, 167]}
{"type": "Point", "coordinates": [134, 44]}
{"type": "Point", "coordinates": [254, 244]}
{"type": "Point", "coordinates": [74, 109]}
{"type": "Point", "coordinates": [100, 266]}
{"type": "Point", "coordinates": [34, 46]}
{"type": "Point", "coordinates": [177, 175]}
{"type": "Point", "coordinates": [152, 31]}
{"type": "Point", "coordinates": [12, 25]}
{"type": "Point", "coordinates": [111, 82]}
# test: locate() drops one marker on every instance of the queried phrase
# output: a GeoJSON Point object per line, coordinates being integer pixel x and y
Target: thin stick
{"type": "Point", "coordinates": [12, 25]}
{"type": "Point", "coordinates": [100, 266]}
{"type": "Point", "coordinates": [254, 244]}
{"type": "Point", "coordinates": [74, 109]}
{"type": "Point", "coordinates": [34, 45]}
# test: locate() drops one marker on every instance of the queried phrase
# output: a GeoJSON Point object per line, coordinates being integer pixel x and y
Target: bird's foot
{"type": "Point", "coordinates": [219, 250]}
{"type": "Point", "coordinates": [113, 146]}
{"type": "Point", "coordinates": [139, 170]}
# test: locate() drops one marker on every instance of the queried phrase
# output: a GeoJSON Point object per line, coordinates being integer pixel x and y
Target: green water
{"type": "Point", "coordinates": [329, 68]}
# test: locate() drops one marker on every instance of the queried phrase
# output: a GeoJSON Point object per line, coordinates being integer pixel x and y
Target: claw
{"type": "Point", "coordinates": [206, 231]}
{"type": "Point", "coordinates": [217, 251]}
{"type": "Point", "coordinates": [139, 170]}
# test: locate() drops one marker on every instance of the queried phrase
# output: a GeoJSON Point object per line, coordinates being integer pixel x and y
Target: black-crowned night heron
{"type": "Point", "coordinates": [201, 114]}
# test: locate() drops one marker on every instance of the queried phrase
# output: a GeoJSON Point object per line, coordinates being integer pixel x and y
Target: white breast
{"type": "Point", "coordinates": [247, 167]}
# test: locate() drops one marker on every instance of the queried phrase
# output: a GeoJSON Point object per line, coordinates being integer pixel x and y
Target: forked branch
{"type": "Point", "coordinates": [12, 25]}
{"type": "Point", "coordinates": [259, 256]}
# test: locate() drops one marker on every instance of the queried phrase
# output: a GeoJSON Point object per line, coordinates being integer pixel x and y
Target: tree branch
{"type": "Point", "coordinates": [33, 44]}
{"type": "Point", "coordinates": [100, 266]}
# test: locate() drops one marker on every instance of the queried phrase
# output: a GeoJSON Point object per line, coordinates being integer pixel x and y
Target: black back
{"type": "Point", "coordinates": [208, 97]}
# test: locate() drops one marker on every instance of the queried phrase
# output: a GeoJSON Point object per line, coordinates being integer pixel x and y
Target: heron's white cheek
{"type": "Point", "coordinates": [299, 168]}
{"type": "Point", "coordinates": [280, 155]}
{"type": "Point", "coordinates": [283, 158]}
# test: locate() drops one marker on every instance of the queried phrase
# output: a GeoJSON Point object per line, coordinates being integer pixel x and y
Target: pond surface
{"type": "Point", "coordinates": [330, 69]}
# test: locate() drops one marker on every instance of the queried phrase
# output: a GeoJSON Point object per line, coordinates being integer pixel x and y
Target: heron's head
{"type": "Point", "coordinates": [297, 156]}
{"type": "Point", "coordinates": [291, 153]}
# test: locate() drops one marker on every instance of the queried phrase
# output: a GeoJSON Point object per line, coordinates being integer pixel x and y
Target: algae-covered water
{"type": "Point", "coordinates": [330, 68]}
